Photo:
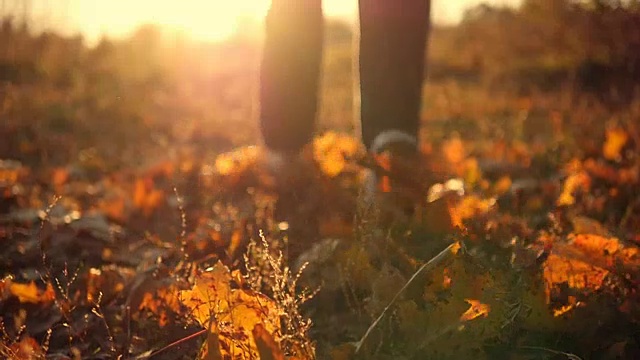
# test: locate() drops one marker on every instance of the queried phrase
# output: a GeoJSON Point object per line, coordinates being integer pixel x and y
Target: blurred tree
{"type": "Point", "coordinates": [545, 44]}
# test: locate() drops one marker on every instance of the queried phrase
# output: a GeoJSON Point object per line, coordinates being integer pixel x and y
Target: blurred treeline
{"type": "Point", "coordinates": [122, 99]}
{"type": "Point", "coordinates": [61, 99]}
{"type": "Point", "coordinates": [593, 45]}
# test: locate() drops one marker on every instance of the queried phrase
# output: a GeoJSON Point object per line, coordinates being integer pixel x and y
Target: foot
{"type": "Point", "coordinates": [286, 169]}
{"type": "Point", "coordinates": [395, 179]}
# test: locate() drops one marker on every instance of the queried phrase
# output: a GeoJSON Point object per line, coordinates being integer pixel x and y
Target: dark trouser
{"type": "Point", "coordinates": [393, 36]}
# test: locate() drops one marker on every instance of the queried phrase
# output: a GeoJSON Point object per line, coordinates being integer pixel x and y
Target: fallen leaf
{"type": "Point", "coordinates": [236, 162]}
{"type": "Point", "coordinates": [10, 172]}
{"type": "Point", "coordinates": [146, 197]}
{"type": "Point", "coordinates": [453, 150]}
{"type": "Point", "coordinates": [576, 274]}
{"type": "Point", "coordinates": [211, 347]}
{"type": "Point", "coordinates": [30, 293]}
{"type": "Point", "coordinates": [572, 303]}
{"type": "Point", "coordinates": [236, 242]}
{"type": "Point", "coordinates": [26, 349]}
{"type": "Point", "coordinates": [578, 182]}
{"type": "Point", "coordinates": [59, 176]}
{"type": "Point", "coordinates": [616, 138]}
{"type": "Point", "coordinates": [235, 312]}
{"type": "Point", "coordinates": [585, 225]}
{"type": "Point", "coordinates": [160, 301]}
{"type": "Point", "coordinates": [502, 186]}
{"type": "Point", "coordinates": [476, 309]}
{"type": "Point", "coordinates": [267, 346]}
{"type": "Point", "coordinates": [332, 150]}
{"type": "Point", "coordinates": [469, 207]}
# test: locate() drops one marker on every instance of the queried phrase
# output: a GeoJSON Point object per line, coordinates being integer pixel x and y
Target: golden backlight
{"type": "Point", "coordinates": [210, 20]}
{"type": "Point", "coordinates": [201, 19]}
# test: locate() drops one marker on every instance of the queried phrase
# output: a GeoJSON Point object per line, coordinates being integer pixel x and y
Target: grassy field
{"type": "Point", "coordinates": [137, 220]}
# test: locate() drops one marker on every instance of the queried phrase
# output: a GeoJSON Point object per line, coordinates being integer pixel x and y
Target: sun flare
{"type": "Point", "coordinates": [209, 20]}
{"type": "Point", "coordinates": [202, 19]}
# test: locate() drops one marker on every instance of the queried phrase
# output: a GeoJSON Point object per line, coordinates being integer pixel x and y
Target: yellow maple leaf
{"type": "Point", "coordinates": [267, 346]}
{"type": "Point", "coordinates": [232, 313]}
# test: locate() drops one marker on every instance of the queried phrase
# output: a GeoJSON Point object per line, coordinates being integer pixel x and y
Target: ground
{"type": "Point", "coordinates": [135, 224]}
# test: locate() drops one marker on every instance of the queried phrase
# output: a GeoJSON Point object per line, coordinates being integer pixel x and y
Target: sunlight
{"type": "Point", "coordinates": [209, 20]}
{"type": "Point", "coordinates": [200, 19]}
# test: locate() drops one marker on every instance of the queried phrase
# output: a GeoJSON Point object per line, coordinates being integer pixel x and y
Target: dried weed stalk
{"type": "Point", "coordinates": [266, 267]}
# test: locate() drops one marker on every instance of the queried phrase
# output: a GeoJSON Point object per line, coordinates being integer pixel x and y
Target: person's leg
{"type": "Point", "coordinates": [289, 74]}
{"type": "Point", "coordinates": [393, 37]}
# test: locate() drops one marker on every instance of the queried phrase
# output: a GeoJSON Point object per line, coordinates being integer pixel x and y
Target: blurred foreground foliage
{"type": "Point", "coordinates": [131, 229]}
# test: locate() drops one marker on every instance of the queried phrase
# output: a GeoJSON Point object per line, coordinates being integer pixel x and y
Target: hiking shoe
{"type": "Point", "coordinates": [394, 179]}
{"type": "Point", "coordinates": [285, 170]}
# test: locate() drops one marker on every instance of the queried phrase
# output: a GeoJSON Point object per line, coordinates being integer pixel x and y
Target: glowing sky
{"type": "Point", "coordinates": [202, 19]}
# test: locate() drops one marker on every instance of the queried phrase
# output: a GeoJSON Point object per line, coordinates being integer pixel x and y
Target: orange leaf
{"type": "Point", "coordinates": [59, 176]}
{"type": "Point", "coordinates": [331, 151]}
{"type": "Point", "coordinates": [145, 197]}
{"type": "Point", "coordinates": [596, 245]}
{"type": "Point", "coordinates": [576, 273]}
{"type": "Point", "coordinates": [159, 301]}
{"type": "Point", "coordinates": [607, 252]}
{"type": "Point", "coordinates": [503, 185]}
{"type": "Point", "coordinates": [26, 349]}
{"type": "Point", "coordinates": [267, 346]}
{"type": "Point", "coordinates": [114, 207]}
{"type": "Point", "coordinates": [10, 172]}
{"type": "Point", "coordinates": [30, 293]}
{"type": "Point", "coordinates": [139, 192]}
{"type": "Point", "coordinates": [236, 242]}
{"type": "Point", "coordinates": [475, 310]}
{"type": "Point", "coordinates": [454, 151]}
{"type": "Point", "coordinates": [584, 263]}
{"type": "Point", "coordinates": [572, 303]}
{"type": "Point", "coordinates": [236, 162]}
{"type": "Point", "coordinates": [469, 207]}
{"type": "Point", "coordinates": [446, 278]}
{"type": "Point", "coordinates": [616, 139]}
{"type": "Point", "coordinates": [573, 184]}
{"type": "Point", "coordinates": [385, 162]}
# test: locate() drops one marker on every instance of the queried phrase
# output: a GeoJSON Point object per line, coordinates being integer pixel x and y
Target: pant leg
{"type": "Point", "coordinates": [393, 37]}
{"type": "Point", "coordinates": [289, 73]}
